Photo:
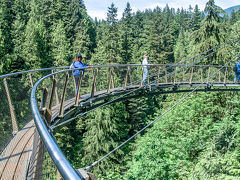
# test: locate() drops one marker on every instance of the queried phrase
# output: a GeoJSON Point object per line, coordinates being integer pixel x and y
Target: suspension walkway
{"type": "Point", "coordinates": [33, 153]}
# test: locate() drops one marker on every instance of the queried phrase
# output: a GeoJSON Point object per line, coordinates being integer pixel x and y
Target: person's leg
{"type": "Point", "coordinates": [144, 76]}
{"type": "Point", "coordinates": [235, 78]}
{"type": "Point", "coordinates": [76, 83]}
{"type": "Point", "coordinates": [238, 74]}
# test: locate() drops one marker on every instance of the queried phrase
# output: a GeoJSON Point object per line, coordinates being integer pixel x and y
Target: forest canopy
{"type": "Point", "coordinates": [198, 140]}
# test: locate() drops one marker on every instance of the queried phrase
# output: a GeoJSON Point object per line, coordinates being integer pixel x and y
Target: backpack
{"type": "Point", "coordinates": [235, 68]}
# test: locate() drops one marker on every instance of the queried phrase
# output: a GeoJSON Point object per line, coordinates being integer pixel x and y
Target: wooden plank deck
{"type": "Point", "coordinates": [15, 158]}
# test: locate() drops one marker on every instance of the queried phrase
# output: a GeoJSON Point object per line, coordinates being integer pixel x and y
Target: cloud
{"type": "Point", "coordinates": [152, 6]}
{"type": "Point", "coordinates": [99, 14]}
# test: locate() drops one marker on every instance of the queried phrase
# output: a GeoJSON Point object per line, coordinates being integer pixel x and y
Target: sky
{"type": "Point", "coordinates": [99, 8]}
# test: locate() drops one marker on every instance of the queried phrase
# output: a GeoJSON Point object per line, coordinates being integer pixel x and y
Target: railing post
{"type": "Point", "coordinates": [94, 83]}
{"type": "Point", "coordinates": [78, 89]}
{"type": "Point", "coordinates": [126, 78]}
{"type": "Point", "coordinates": [219, 76]}
{"type": "Point", "coordinates": [225, 75]}
{"type": "Point", "coordinates": [111, 80]}
{"type": "Point", "coordinates": [183, 72]}
{"type": "Point", "coordinates": [158, 76]}
{"type": "Point", "coordinates": [48, 112]}
{"type": "Point", "coordinates": [11, 107]}
{"type": "Point", "coordinates": [43, 106]}
{"type": "Point", "coordinates": [63, 96]}
{"type": "Point", "coordinates": [174, 78]}
{"type": "Point", "coordinates": [31, 79]}
{"type": "Point", "coordinates": [52, 93]}
{"type": "Point", "coordinates": [209, 70]}
{"type": "Point", "coordinates": [56, 90]}
{"type": "Point", "coordinates": [166, 79]}
{"type": "Point", "coordinates": [190, 81]}
{"type": "Point", "coordinates": [201, 70]}
{"type": "Point", "coordinates": [59, 177]}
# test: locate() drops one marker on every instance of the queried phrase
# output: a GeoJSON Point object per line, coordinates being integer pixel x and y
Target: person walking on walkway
{"type": "Point", "coordinates": [237, 72]}
{"type": "Point", "coordinates": [77, 73]}
{"type": "Point", "coordinates": [145, 68]}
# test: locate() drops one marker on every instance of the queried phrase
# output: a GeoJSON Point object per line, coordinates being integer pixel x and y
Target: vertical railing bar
{"type": "Point", "coordinates": [225, 75]}
{"type": "Point", "coordinates": [126, 78]}
{"type": "Point", "coordinates": [112, 77]}
{"type": "Point", "coordinates": [209, 69]}
{"type": "Point", "coordinates": [94, 83]}
{"type": "Point", "coordinates": [166, 79]}
{"type": "Point", "coordinates": [56, 89]}
{"type": "Point", "coordinates": [183, 72]}
{"type": "Point", "coordinates": [52, 93]}
{"type": "Point", "coordinates": [174, 78]}
{"type": "Point", "coordinates": [201, 70]}
{"type": "Point", "coordinates": [44, 99]}
{"type": "Point", "coordinates": [130, 75]}
{"type": "Point", "coordinates": [158, 76]}
{"type": "Point", "coordinates": [31, 79]}
{"type": "Point", "coordinates": [63, 97]}
{"type": "Point", "coordinates": [219, 76]}
{"type": "Point", "coordinates": [11, 107]}
{"type": "Point", "coordinates": [190, 81]}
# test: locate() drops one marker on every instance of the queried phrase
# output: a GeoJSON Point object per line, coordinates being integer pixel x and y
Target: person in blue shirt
{"type": "Point", "coordinates": [237, 73]}
{"type": "Point", "coordinates": [78, 64]}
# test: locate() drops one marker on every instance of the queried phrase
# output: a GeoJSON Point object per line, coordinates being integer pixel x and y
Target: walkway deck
{"type": "Point", "coordinates": [16, 156]}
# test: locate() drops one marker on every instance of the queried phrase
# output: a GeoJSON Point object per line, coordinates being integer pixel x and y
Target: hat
{"type": "Point", "coordinates": [78, 55]}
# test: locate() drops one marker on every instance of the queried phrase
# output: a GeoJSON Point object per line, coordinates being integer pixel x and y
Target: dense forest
{"type": "Point", "coordinates": [198, 140]}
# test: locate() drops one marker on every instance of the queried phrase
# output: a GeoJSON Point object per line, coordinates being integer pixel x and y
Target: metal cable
{"type": "Point", "coordinates": [177, 103]}
{"type": "Point", "coordinates": [149, 84]}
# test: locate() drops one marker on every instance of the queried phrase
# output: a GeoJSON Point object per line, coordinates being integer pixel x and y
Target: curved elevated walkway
{"type": "Point", "coordinates": [15, 158]}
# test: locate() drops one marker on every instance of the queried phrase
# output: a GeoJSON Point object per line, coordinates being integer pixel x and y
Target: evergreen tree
{"type": "Point", "coordinates": [21, 9]}
{"type": "Point", "coordinates": [139, 37]}
{"type": "Point", "coordinates": [84, 42]}
{"type": "Point", "coordinates": [36, 48]}
{"type": "Point", "coordinates": [211, 34]}
{"type": "Point", "coordinates": [181, 49]}
{"type": "Point", "coordinates": [233, 18]}
{"type": "Point", "coordinates": [126, 35]}
{"type": "Point", "coordinates": [1, 51]}
{"type": "Point", "coordinates": [107, 39]}
{"type": "Point", "coordinates": [197, 18]}
{"type": "Point", "coordinates": [6, 21]}
{"type": "Point", "coordinates": [60, 46]}
{"type": "Point", "coordinates": [112, 45]}
{"type": "Point", "coordinates": [103, 128]}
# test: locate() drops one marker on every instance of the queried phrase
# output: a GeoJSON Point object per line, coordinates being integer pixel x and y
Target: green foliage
{"type": "Point", "coordinates": [198, 140]}
{"type": "Point", "coordinates": [193, 141]}
{"type": "Point", "coordinates": [36, 48]}
{"type": "Point", "coordinates": [60, 46]}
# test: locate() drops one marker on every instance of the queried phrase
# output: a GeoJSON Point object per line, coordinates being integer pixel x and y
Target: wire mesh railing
{"type": "Point", "coordinates": [16, 124]}
{"type": "Point", "coordinates": [99, 80]}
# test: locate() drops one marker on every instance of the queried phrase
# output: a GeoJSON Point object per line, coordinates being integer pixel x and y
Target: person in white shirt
{"type": "Point", "coordinates": [145, 68]}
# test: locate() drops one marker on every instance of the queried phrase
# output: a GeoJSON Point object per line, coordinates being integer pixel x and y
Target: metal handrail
{"type": "Point", "coordinates": [63, 165]}
{"type": "Point", "coordinates": [98, 66]}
